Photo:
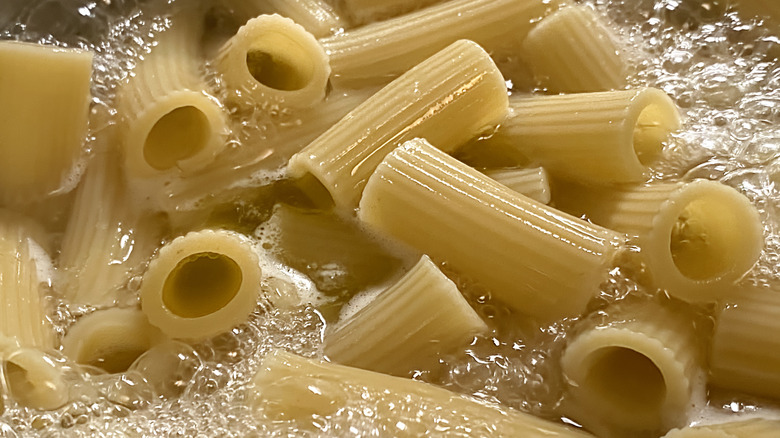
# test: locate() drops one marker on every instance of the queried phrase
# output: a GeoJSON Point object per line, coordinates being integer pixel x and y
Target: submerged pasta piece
{"type": "Point", "coordinates": [536, 259]}
{"type": "Point", "coordinates": [753, 428]}
{"type": "Point", "coordinates": [110, 339]}
{"type": "Point", "coordinates": [169, 121]}
{"type": "Point", "coordinates": [201, 284]}
{"type": "Point", "coordinates": [449, 98]}
{"type": "Point", "coordinates": [573, 51]}
{"type": "Point", "coordinates": [378, 52]}
{"type": "Point", "coordinates": [44, 104]}
{"type": "Point", "coordinates": [635, 374]}
{"type": "Point", "coordinates": [316, 16]}
{"type": "Point", "coordinates": [407, 326]}
{"type": "Point", "coordinates": [532, 182]}
{"type": "Point", "coordinates": [366, 11]}
{"type": "Point", "coordinates": [275, 62]}
{"type": "Point", "coordinates": [697, 238]}
{"type": "Point", "coordinates": [298, 391]}
{"type": "Point", "coordinates": [34, 380]}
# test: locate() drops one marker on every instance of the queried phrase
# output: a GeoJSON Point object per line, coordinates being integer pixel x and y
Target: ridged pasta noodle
{"type": "Point", "coordinates": [274, 62]}
{"type": "Point", "coordinates": [697, 238]}
{"type": "Point", "coordinates": [596, 138]}
{"type": "Point", "coordinates": [573, 51]}
{"type": "Point", "coordinates": [536, 259]}
{"type": "Point", "coordinates": [169, 121]}
{"type": "Point", "coordinates": [532, 182]}
{"type": "Point", "coordinates": [753, 428]}
{"type": "Point", "coordinates": [366, 11]}
{"type": "Point", "coordinates": [44, 104]}
{"type": "Point", "coordinates": [201, 284]}
{"type": "Point", "coordinates": [635, 374]}
{"type": "Point", "coordinates": [449, 98]}
{"type": "Point", "coordinates": [293, 389]}
{"type": "Point", "coordinates": [407, 326]}
{"type": "Point", "coordinates": [34, 380]}
{"type": "Point", "coordinates": [316, 16]}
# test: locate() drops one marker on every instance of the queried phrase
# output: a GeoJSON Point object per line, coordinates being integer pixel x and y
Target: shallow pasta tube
{"type": "Point", "coordinates": [532, 182]}
{"type": "Point", "coordinates": [407, 326]}
{"type": "Point", "coordinates": [169, 121]}
{"type": "Point", "coordinates": [201, 284]}
{"type": "Point", "coordinates": [316, 16]}
{"type": "Point", "coordinates": [754, 428]}
{"type": "Point", "coordinates": [294, 390]}
{"type": "Point", "coordinates": [44, 105]}
{"type": "Point", "coordinates": [573, 51]}
{"type": "Point", "coordinates": [276, 62]}
{"type": "Point", "coordinates": [697, 238]}
{"type": "Point", "coordinates": [110, 339]}
{"type": "Point", "coordinates": [634, 375]}
{"type": "Point", "coordinates": [34, 379]}
{"type": "Point", "coordinates": [536, 259]}
{"type": "Point", "coordinates": [449, 98]}
{"type": "Point", "coordinates": [596, 138]}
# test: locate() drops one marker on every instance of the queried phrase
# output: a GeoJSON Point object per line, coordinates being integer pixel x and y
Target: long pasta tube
{"type": "Point", "coordinates": [407, 326]}
{"type": "Point", "coordinates": [366, 11]}
{"type": "Point", "coordinates": [381, 51]}
{"type": "Point", "coordinates": [744, 356]}
{"type": "Point", "coordinates": [633, 375]}
{"type": "Point", "coordinates": [318, 17]}
{"type": "Point", "coordinates": [201, 284]}
{"type": "Point", "coordinates": [754, 428]}
{"type": "Point", "coordinates": [169, 120]}
{"type": "Point", "coordinates": [110, 339]}
{"type": "Point", "coordinates": [35, 380]}
{"type": "Point", "coordinates": [22, 309]}
{"type": "Point", "coordinates": [597, 138]}
{"type": "Point", "coordinates": [44, 104]}
{"type": "Point", "coordinates": [697, 238]}
{"type": "Point", "coordinates": [573, 51]}
{"type": "Point", "coordinates": [293, 389]}
{"type": "Point", "coordinates": [275, 62]}
{"type": "Point", "coordinates": [532, 182]}
{"type": "Point", "coordinates": [449, 98]}
{"type": "Point", "coordinates": [536, 259]}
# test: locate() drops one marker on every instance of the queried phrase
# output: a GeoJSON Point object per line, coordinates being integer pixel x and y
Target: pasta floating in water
{"type": "Point", "coordinates": [316, 16]}
{"type": "Point", "coordinates": [366, 11]}
{"type": "Point", "coordinates": [755, 428]}
{"type": "Point", "coordinates": [34, 380]}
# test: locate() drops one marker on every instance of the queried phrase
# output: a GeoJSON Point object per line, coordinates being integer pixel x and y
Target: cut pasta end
{"type": "Point", "coordinates": [625, 377]}
{"type": "Point", "coordinates": [34, 381]}
{"type": "Point", "coordinates": [657, 119]}
{"type": "Point", "coordinates": [201, 284]}
{"type": "Point", "coordinates": [277, 70]}
{"type": "Point", "coordinates": [178, 135]}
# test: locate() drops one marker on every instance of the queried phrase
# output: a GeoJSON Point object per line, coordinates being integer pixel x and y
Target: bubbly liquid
{"type": "Point", "coordinates": [721, 70]}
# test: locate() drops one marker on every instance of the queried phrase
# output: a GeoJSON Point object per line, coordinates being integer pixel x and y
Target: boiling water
{"type": "Point", "coordinates": [721, 70]}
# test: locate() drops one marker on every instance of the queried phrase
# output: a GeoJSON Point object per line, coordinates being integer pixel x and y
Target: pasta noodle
{"type": "Point", "coordinates": [537, 260]}
{"type": "Point", "coordinates": [34, 380]}
{"type": "Point", "coordinates": [458, 87]}
{"type": "Point", "coordinates": [596, 138]}
{"type": "Point", "coordinates": [275, 62]}
{"type": "Point", "coordinates": [754, 428]}
{"type": "Point", "coordinates": [366, 11]}
{"type": "Point", "coordinates": [290, 388]}
{"type": "Point", "coordinates": [44, 104]}
{"type": "Point", "coordinates": [532, 182]}
{"type": "Point", "coordinates": [407, 326]}
{"type": "Point", "coordinates": [316, 16]}
{"type": "Point", "coordinates": [573, 51]}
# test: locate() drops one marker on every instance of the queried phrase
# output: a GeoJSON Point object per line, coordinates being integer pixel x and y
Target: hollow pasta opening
{"type": "Point", "coordinates": [279, 62]}
{"type": "Point", "coordinates": [625, 378]}
{"type": "Point", "coordinates": [650, 132]}
{"type": "Point", "coordinates": [178, 135]}
{"type": "Point", "coordinates": [19, 384]}
{"type": "Point", "coordinates": [706, 237]}
{"type": "Point", "coordinates": [201, 284]}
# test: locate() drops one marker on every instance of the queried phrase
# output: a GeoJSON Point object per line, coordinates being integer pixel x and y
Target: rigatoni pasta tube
{"type": "Point", "coordinates": [407, 326]}
{"type": "Point", "coordinates": [753, 428]}
{"type": "Point", "coordinates": [536, 259]}
{"type": "Point", "coordinates": [573, 51]}
{"type": "Point", "coordinates": [633, 375]}
{"type": "Point", "coordinates": [745, 355]}
{"type": "Point", "coordinates": [275, 62]}
{"type": "Point", "coordinates": [316, 16]}
{"type": "Point", "coordinates": [378, 52]}
{"type": "Point", "coordinates": [449, 98]}
{"type": "Point", "coordinates": [35, 380]}
{"type": "Point", "coordinates": [201, 284]}
{"type": "Point", "coordinates": [110, 339]}
{"type": "Point", "coordinates": [596, 138]}
{"type": "Point", "coordinates": [295, 390]}
{"type": "Point", "coordinates": [697, 238]}
{"type": "Point", "coordinates": [532, 182]}
{"type": "Point", "coordinates": [169, 121]}
{"type": "Point", "coordinates": [44, 104]}
{"type": "Point", "coordinates": [366, 11]}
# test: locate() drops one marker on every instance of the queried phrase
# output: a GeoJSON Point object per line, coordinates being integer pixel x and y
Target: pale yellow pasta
{"type": "Point", "coordinates": [44, 104]}
{"type": "Point", "coordinates": [406, 327]}
{"type": "Point", "coordinates": [295, 390]}
{"type": "Point", "coordinates": [597, 138]}
{"type": "Point", "coordinates": [532, 182]}
{"type": "Point", "coordinates": [536, 259]}
{"type": "Point", "coordinates": [169, 121]}
{"type": "Point", "coordinates": [753, 428]}
{"type": "Point", "coordinates": [449, 98]}
{"type": "Point", "coordinates": [35, 380]}
{"type": "Point", "coordinates": [379, 52]}
{"type": "Point", "coordinates": [316, 16]}
{"type": "Point", "coordinates": [635, 374]}
{"type": "Point", "coordinates": [697, 238]}
{"type": "Point", "coordinates": [201, 284]}
{"type": "Point", "coordinates": [110, 339]}
{"type": "Point", "coordinates": [274, 62]}
{"type": "Point", "coordinates": [366, 11]}
{"type": "Point", "coordinates": [744, 356]}
{"type": "Point", "coordinates": [573, 51]}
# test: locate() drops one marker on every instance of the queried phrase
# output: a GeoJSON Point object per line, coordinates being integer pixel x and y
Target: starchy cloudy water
{"type": "Point", "coordinates": [720, 69]}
